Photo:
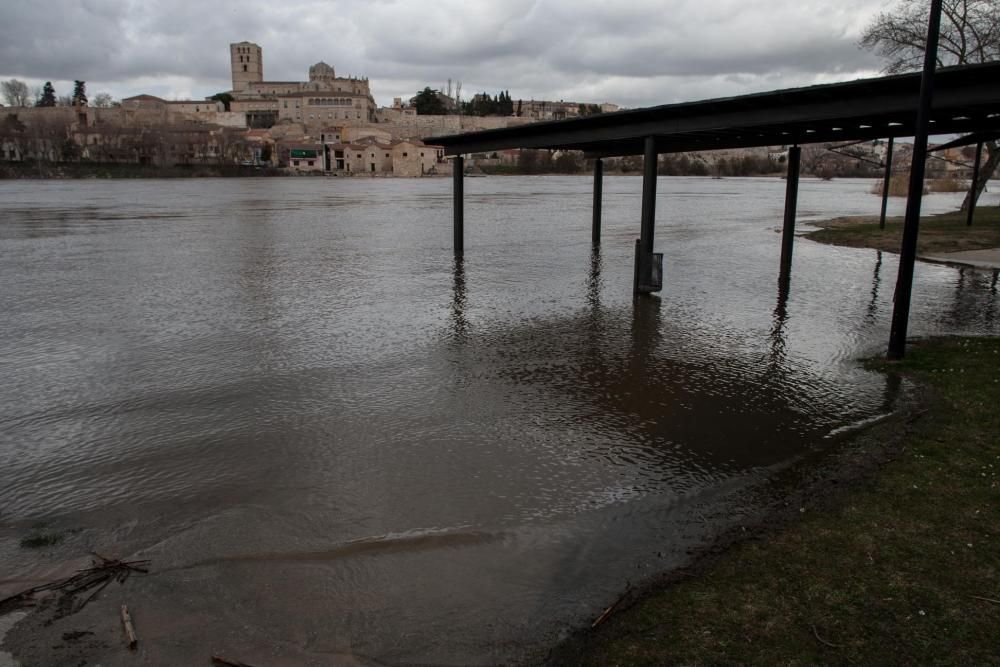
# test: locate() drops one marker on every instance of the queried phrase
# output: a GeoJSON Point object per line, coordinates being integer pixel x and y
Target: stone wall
{"type": "Point", "coordinates": [427, 126]}
{"type": "Point", "coordinates": [236, 119]}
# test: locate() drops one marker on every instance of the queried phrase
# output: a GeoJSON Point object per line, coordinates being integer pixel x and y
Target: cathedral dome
{"type": "Point", "coordinates": [321, 72]}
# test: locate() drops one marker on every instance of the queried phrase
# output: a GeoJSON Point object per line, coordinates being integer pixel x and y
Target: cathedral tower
{"type": "Point", "coordinates": [248, 64]}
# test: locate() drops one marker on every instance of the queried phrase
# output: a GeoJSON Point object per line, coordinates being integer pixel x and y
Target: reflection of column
{"type": "Point", "coordinates": [876, 279]}
{"type": "Point", "coordinates": [645, 331]}
{"type": "Point", "coordinates": [958, 312]}
{"type": "Point", "coordinates": [991, 310]}
{"type": "Point", "coordinates": [778, 320]}
{"type": "Point", "coordinates": [595, 325]}
{"type": "Point", "coordinates": [594, 280]}
{"type": "Point", "coordinates": [893, 386]}
{"type": "Point", "coordinates": [459, 325]}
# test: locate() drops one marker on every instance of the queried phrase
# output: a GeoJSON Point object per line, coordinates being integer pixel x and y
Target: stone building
{"type": "Point", "coordinates": [303, 157]}
{"type": "Point", "coordinates": [379, 157]}
{"type": "Point", "coordinates": [323, 99]}
{"type": "Point", "coordinates": [152, 110]}
{"type": "Point", "coordinates": [545, 110]}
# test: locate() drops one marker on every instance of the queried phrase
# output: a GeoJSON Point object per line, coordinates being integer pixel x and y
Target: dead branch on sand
{"type": "Point", "coordinates": [102, 572]}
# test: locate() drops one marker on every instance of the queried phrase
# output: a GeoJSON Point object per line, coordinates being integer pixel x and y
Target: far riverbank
{"type": "Point", "coordinates": [943, 233]}
{"type": "Point", "coordinates": [87, 170]}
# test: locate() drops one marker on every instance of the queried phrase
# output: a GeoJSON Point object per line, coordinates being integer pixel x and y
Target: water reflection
{"type": "Point", "coordinates": [876, 280]}
{"type": "Point", "coordinates": [971, 285]}
{"type": "Point", "coordinates": [459, 323]}
{"type": "Point", "coordinates": [594, 283]}
{"type": "Point", "coordinates": [646, 330]}
{"type": "Point", "coordinates": [287, 378]}
{"type": "Point", "coordinates": [777, 336]}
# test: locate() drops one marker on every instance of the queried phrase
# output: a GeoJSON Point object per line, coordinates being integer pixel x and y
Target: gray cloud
{"type": "Point", "coordinates": [637, 53]}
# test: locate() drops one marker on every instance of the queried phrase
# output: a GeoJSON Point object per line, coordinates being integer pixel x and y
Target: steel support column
{"type": "Point", "coordinates": [911, 221]}
{"type": "Point", "coordinates": [595, 229]}
{"type": "Point", "coordinates": [885, 182]}
{"type": "Point", "coordinates": [975, 181]}
{"type": "Point", "coordinates": [644, 246]}
{"type": "Point", "coordinates": [791, 205]}
{"type": "Point", "coordinates": [458, 205]}
{"type": "Point", "coordinates": [648, 195]}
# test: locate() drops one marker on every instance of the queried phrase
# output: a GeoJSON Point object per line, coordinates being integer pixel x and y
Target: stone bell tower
{"type": "Point", "coordinates": [247, 62]}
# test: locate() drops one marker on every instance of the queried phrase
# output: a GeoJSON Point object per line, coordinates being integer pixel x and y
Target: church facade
{"type": "Point", "coordinates": [324, 100]}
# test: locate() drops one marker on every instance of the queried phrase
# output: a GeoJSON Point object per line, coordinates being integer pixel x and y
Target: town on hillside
{"type": "Point", "coordinates": [331, 125]}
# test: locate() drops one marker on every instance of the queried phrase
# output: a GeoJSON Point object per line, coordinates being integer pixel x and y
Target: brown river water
{"type": "Point", "coordinates": [335, 443]}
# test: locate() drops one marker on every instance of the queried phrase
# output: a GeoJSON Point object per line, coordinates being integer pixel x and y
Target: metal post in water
{"type": "Point", "coordinates": [648, 194]}
{"type": "Point", "coordinates": [644, 246]}
{"type": "Point", "coordinates": [911, 221]}
{"type": "Point", "coordinates": [791, 204]}
{"type": "Point", "coordinates": [975, 182]}
{"type": "Point", "coordinates": [595, 229]}
{"type": "Point", "coordinates": [458, 169]}
{"type": "Point", "coordinates": [885, 183]}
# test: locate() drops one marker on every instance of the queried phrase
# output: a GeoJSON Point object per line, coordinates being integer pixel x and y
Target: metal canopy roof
{"type": "Point", "coordinates": [966, 99]}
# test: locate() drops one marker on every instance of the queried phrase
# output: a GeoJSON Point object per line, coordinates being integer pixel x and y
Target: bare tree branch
{"type": "Point", "coordinates": [970, 33]}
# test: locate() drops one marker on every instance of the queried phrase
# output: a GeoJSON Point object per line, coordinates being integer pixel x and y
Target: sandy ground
{"type": "Point", "coordinates": [984, 259]}
{"type": "Point", "coordinates": [49, 636]}
{"type": "Point", "coordinates": [7, 622]}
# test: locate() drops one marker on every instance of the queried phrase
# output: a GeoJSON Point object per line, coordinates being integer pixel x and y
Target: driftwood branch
{"type": "Point", "coordinates": [225, 662]}
{"type": "Point", "coordinates": [133, 640]}
{"type": "Point", "coordinates": [610, 610]}
{"type": "Point", "coordinates": [102, 572]}
{"type": "Point", "coordinates": [976, 597]}
{"type": "Point", "coordinates": [821, 640]}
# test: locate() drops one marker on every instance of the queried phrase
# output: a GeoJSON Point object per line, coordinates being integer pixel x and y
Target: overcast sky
{"type": "Point", "coordinates": [630, 52]}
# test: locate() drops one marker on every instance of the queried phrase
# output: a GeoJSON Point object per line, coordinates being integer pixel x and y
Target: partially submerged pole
{"type": "Point", "coordinates": [458, 205]}
{"type": "Point", "coordinates": [975, 183]}
{"type": "Point", "coordinates": [644, 249]}
{"type": "Point", "coordinates": [791, 204]}
{"type": "Point", "coordinates": [911, 221]}
{"type": "Point", "coordinates": [595, 229]}
{"type": "Point", "coordinates": [885, 182]}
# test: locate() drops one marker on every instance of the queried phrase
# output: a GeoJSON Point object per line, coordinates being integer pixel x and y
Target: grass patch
{"type": "Point", "coordinates": [893, 572]}
{"type": "Point", "coordinates": [939, 233]}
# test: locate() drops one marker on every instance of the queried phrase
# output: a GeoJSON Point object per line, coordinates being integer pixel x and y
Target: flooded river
{"type": "Point", "coordinates": [333, 440]}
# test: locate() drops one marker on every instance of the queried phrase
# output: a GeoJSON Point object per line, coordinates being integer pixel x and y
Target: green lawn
{"type": "Point", "coordinates": [939, 233]}
{"type": "Point", "coordinates": [900, 569]}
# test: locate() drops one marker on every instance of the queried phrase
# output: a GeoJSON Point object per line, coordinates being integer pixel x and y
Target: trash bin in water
{"type": "Point", "coordinates": [648, 271]}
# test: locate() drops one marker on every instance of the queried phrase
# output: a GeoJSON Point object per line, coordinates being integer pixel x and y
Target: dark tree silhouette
{"type": "Point", "coordinates": [80, 93]}
{"type": "Point", "coordinates": [428, 103]}
{"type": "Point", "coordinates": [970, 33]}
{"type": "Point", "coordinates": [48, 98]}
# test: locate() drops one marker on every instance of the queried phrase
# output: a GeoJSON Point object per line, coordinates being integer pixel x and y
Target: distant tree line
{"type": "Point", "coordinates": [816, 161]}
{"type": "Point", "coordinates": [482, 104]}
{"type": "Point", "coordinates": [16, 93]}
